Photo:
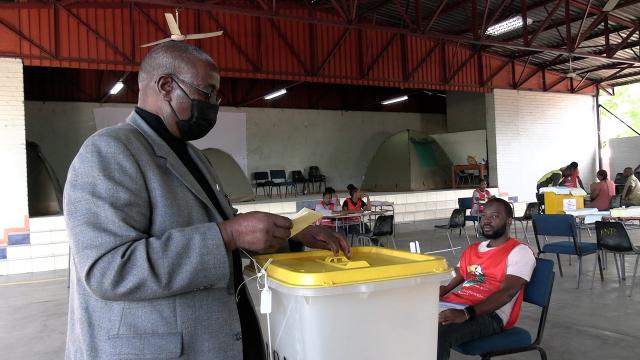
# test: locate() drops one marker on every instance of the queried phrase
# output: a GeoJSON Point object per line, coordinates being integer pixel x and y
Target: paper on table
{"type": "Point", "coordinates": [304, 218]}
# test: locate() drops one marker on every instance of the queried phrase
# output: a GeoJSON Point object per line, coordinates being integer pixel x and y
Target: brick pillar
{"type": "Point", "coordinates": [14, 208]}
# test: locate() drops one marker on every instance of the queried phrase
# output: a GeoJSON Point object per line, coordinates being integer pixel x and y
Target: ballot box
{"type": "Point", "coordinates": [380, 304]}
{"type": "Point", "coordinates": [559, 200]}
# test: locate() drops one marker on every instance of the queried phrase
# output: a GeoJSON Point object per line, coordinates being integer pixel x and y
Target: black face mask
{"type": "Point", "coordinates": [203, 118]}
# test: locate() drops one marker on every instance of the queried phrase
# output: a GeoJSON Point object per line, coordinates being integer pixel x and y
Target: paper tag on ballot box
{"type": "Point", "coordinates": [265, 301]}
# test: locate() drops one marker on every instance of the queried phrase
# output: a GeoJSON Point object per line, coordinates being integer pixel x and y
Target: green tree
{"type": "Point", "coordinates": [625, 105]}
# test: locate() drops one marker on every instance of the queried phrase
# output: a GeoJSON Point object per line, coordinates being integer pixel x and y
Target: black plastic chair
{"type": "Point", "coordinates": [315, 177]}
{"type": "Point", "coordinates": [466, 203]}
{"type": "Point", "coordinates": [564, 226]}
{"type": "Point", "coordinates": [532, 208]}
{"type": "Point", "coordinates": [278, 179]}
{"type": "Point", "coordinates": [612, 237]}
{"type": "Point", "coordinates": [383, 227]}
{"type": "Point", "coordinates": [518, 340]}
{"type": "Point", "coordinates": [456, 221]}
{"type": "Point", "coordinates": [261, 180]}
{"type": "Point", "coordinates": [298, 178]}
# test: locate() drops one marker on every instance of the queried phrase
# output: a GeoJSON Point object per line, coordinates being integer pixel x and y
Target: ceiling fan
{"type": "Point", "coordinates": [571, 74]}
{"type": "Point", "coordinates": [176, 35]}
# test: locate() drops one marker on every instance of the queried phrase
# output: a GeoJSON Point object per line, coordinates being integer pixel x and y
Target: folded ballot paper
{"type": "Point", "coordinates": [304, 218]}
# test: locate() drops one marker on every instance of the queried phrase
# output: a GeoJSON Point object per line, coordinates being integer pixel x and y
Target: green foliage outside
{"type": "Point", "coordinates": [625, 105]}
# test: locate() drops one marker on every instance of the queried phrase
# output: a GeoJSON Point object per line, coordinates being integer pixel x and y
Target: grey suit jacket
{"type": "Point", "coordinates": [150, 275]}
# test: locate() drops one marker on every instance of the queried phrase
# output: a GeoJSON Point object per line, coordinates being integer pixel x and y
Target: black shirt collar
{"type": "Point", "coordinates": [157, 125]}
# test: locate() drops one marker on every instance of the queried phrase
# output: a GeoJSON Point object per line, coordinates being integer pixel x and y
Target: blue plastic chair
{"type": "Point", "coordinates": [466, 204]}
{"type": "Point", "coordinates": [517, 339]}
{"type": "Point", "coordinates": [563, 225]}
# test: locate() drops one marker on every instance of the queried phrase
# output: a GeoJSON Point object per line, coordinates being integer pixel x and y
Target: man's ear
{"type": "Point", "coordinates": [509, 221]}
{"type": "Point", "coordinates": [164, 85]}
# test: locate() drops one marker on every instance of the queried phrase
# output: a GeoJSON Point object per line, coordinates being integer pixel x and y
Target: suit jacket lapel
{"type": "Point", "coordinates": [174, 164]}
{"type": "Point", "coordinates": [209, 172]}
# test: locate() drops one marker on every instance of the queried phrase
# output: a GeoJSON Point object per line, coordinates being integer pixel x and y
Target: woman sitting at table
{"type": "Point", "coordinates": [602, 191]}
{"type": "Point", "coordinates": [355, 203]}
{"type": "Point", "coordinates": [480, 197]}
{"type": "Point", "coordinates": [329, 203]}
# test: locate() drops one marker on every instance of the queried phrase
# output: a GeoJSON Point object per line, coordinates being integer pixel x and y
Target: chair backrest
{"type": "Point", "coordinates": [532, 208]}
{"type": "Point", "coordinates": [314, 171]}
{"type": "Point", "coordinates": [297, 176]}
{"type": "Point", "coordinates": [383, 225]}
{"type": "Point", "coordinates": [278, 174]}
{"type": "Point", "coordinates": [538, 291]}
{"type": "Point", "coordinates": [260, 176]}
{"type": "Point", "coordinates": [554, 225]}
{"type": "Point", "coordinates": [457, 218]}
{"type": "Point", "coordinates": [465, 203]}
{"type": "Point", "coordinates": [615, 202]}
{"type": "Point", "coordinates": [612, 236]}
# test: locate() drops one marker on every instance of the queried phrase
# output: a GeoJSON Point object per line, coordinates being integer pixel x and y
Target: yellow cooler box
{"type": "Point", "coordinates": [381, 304]}
{"type": "Point", "coordinates": [559, 203]}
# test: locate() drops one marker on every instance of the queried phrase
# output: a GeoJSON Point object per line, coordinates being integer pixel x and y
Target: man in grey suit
{"type": "Point", "coordinates": [154, 240]}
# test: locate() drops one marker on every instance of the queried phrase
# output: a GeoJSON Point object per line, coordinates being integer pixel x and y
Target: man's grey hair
{"type": "Point", "coordinates": [171, 57]}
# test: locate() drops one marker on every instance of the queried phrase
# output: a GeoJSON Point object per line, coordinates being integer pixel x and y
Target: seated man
{"type": "Point", "coordinates": [631, 191]}
{"type": "Point", "coordinates": [602, 191]}
{"type": "Point", "coordinates": [493, 274]}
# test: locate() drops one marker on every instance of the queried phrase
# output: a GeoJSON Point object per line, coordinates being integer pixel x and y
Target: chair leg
{"type": "Point", "coordinates": [559, 264]}
{"type": "Point", "coordinates": [524, 229]}
{"type": "Point", "coordinates": [615, 260]}
{"type": "Point", "coordinates": [633, 279]}
{"type": "Point", "coordinates": [579, 270]}
{"type": "Point", "coordinates": [467, 235]}
{"type": "Point", "coordinates": [515, 230]}
{"type": "Point", "coordinates": [450, 243]}
{"type": "Point", "coordinates": [543, 354]}
{"type": "Point", "coordinates": [593, 273]}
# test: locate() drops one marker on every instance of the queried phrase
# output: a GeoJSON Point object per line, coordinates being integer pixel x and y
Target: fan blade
{"type": "Point", "coordinates": [203, 35]}
{"type": "Point", "coordinates": [173, 25]}
{"type": "Point", "coordinates": [156, 42]}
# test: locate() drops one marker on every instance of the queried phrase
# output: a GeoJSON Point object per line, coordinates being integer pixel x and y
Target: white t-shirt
{"type": "Point", "coordinates": [520, 263]}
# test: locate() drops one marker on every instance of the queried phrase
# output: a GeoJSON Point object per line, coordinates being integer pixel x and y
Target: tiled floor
{"type": "Point", "coordinates": [599, 324]}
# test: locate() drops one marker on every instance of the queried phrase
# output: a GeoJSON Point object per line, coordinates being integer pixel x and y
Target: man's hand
{"type": "Point", "coordinates": [320, 237]}
{"type": "Point", "coordinates": [452, 316]}
{"type": "Point", "coordinates": [256, 231]}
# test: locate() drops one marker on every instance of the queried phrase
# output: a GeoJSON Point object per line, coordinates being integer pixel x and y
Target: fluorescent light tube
{"type": "Point", "coordinates": [116, 88]}
{"type": "Point", "coordinates": [395, 100]}
{"type": "Point", "coordinates": [506, 26]}
{"type": "Point", "coordinates": [275, 94]}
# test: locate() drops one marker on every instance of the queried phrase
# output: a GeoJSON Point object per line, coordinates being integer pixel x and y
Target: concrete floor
{"type": "Point", "coordinates": [599, 324]}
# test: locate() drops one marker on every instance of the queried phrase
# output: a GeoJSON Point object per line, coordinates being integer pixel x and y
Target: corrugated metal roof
{"type": "Point", "coordinates": [458, 22]}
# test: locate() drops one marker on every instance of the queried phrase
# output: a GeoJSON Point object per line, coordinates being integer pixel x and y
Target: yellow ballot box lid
{"type": "Point", "coordinates": [314, 269]}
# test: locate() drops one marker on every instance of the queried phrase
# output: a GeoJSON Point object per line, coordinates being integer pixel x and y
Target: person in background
{"type": "Point", "coordinates": [329, 203]}
{"type": "Point", "coordinates": [552, 178]}
{"type": "Point", "coordinates": [480, 197]}
{"type": "Point", "coordinates": [355, 203]}
{"type": "Point", "coordinates": [571, 176]}
{"type": "Point", "coordinates": [602, 191]}
{"type": "Point", "coordinates": [491, 276]}
{"type": "Point", "coordinates": [631, 191]}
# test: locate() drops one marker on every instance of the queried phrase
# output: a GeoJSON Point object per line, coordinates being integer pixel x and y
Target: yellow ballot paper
{"type": "Point", "coordinates": [304, 218]}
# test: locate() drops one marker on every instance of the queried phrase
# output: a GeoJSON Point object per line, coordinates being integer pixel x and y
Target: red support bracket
{"type": "Point", "coordinates": [28, 39]}
{"type": "Point", "coordinates": [422, 61]}
{"type": "Point", "coordinates": [97, 34]}
{"type": "Point", "coordinates": [234, 42]}
{"type": "Point", "coordinates": [380, 54]}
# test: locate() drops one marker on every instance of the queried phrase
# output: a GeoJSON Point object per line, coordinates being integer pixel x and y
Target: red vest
{"type": "Point", "coordinates": [484, 273]}
{"type": "Point", "coordinates": [354, 207]}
